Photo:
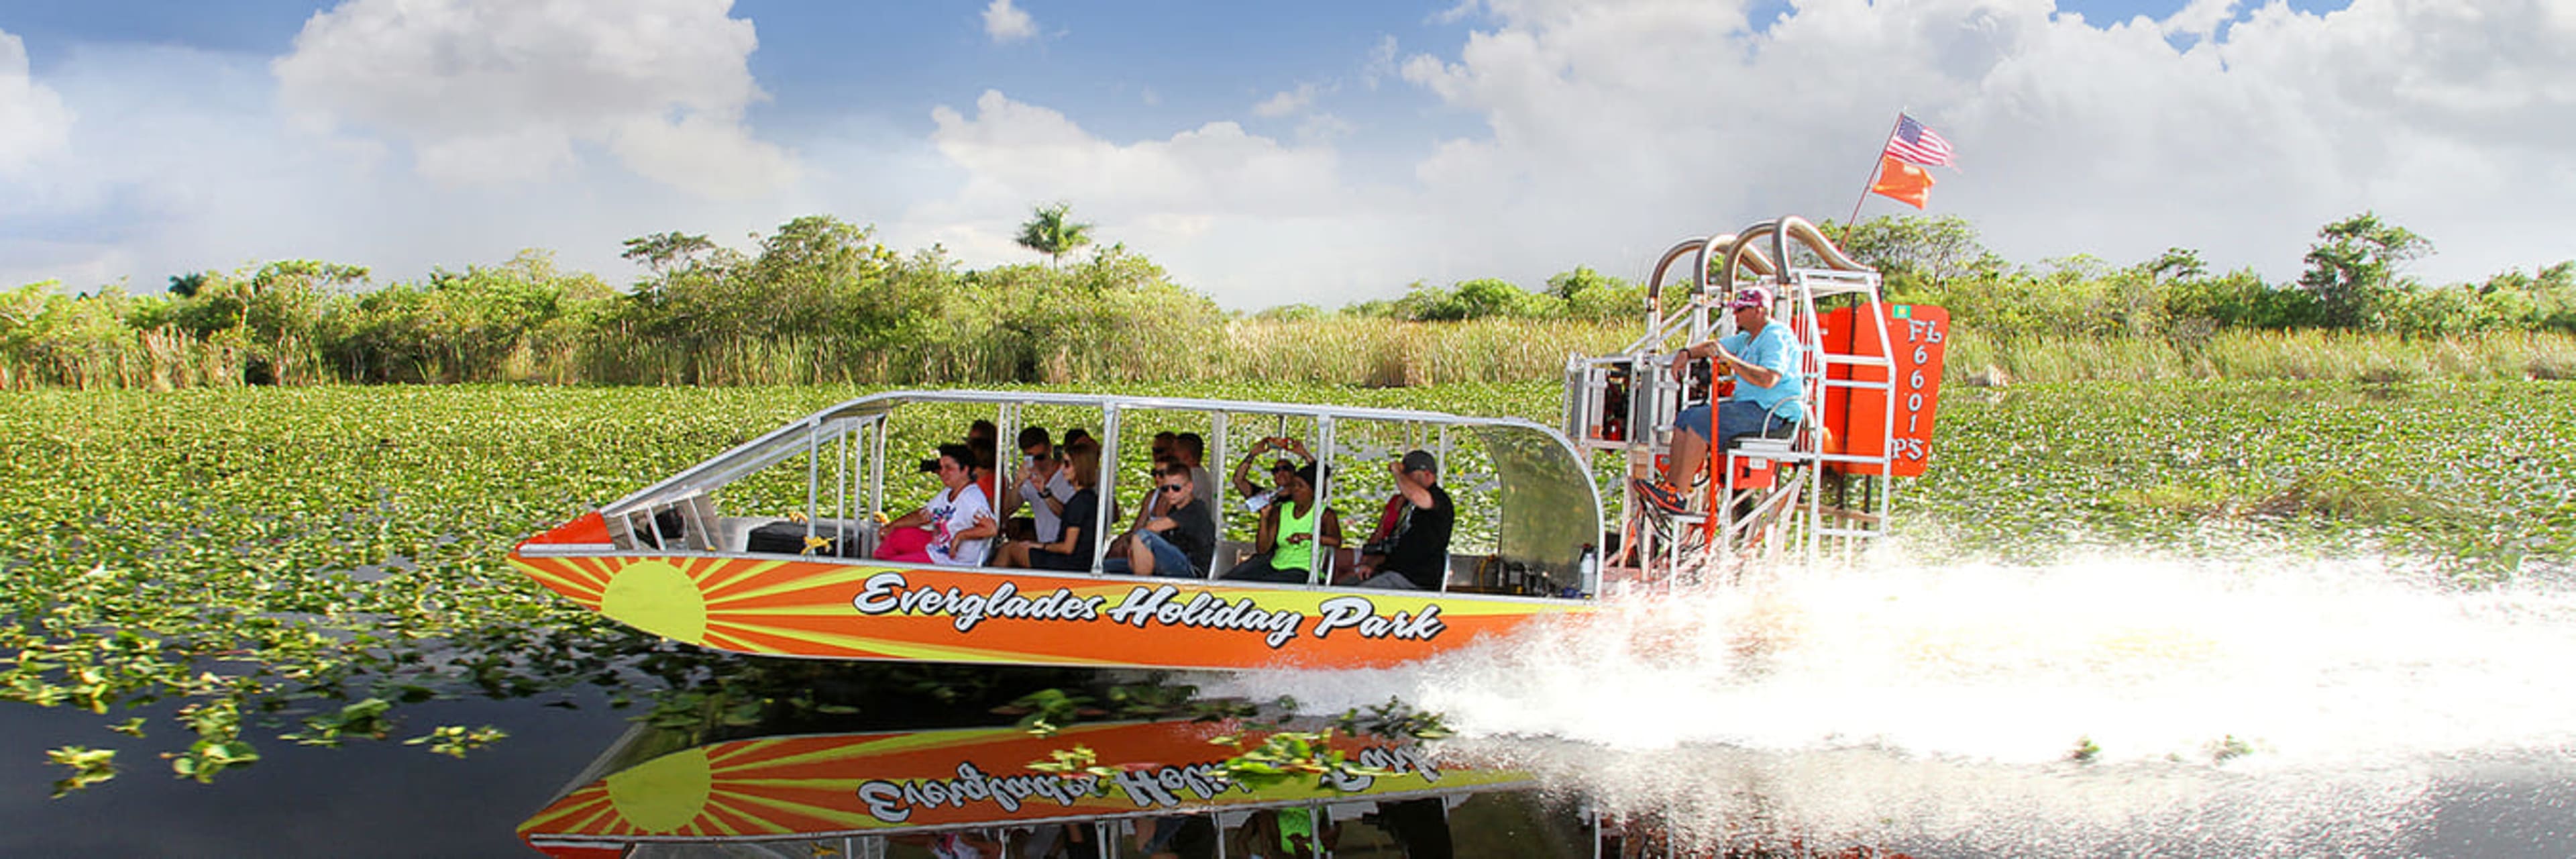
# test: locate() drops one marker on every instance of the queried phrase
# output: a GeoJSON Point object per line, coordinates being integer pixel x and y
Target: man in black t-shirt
{"type": "Point", "coordinates": [1181, 543]}
{"type": "Point", "coordinates": [1412, 552]}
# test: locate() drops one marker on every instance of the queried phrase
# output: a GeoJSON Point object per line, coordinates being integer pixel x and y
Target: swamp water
{"type": "Point", "coordinates": [2268, 705]}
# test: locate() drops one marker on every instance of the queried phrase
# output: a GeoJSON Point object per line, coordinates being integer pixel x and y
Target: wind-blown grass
{"type": "Point", "coordinates": [2265, 355]}
{"type": "Point", "coordinates": [1331, 350]}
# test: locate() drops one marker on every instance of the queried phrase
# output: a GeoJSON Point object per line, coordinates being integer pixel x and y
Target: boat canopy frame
{"type": "Point", "coordinates": [1541, 477]}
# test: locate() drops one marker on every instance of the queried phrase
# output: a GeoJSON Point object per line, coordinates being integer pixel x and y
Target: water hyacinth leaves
{"type": "Point", "coordinates": [455, 740]}
{"type": "Point", "coordinates": [307, 562]}
{"type": "Point", "coordinates": [89, 766]}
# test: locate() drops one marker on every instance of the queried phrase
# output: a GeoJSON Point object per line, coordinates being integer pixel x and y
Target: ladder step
{"type": "Point", "coordinates": [1841, 513]}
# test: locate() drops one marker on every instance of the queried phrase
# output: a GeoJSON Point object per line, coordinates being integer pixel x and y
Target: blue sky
{"type": "Point", "coordinates": [1322, 152]}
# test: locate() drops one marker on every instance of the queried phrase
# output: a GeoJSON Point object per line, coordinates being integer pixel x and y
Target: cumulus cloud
{"type": "Point", "coordinates": [33, 121]}
{"type": "Point", "coordinates": [2075, 137]}
{"type": "Point", "coordinates": [1286, 103]}
{"type": "Point", "coordinates": [2200, 17]}
{"type": "Point", "coordinates": [503, 91]}
{"type": "Point", "coordinates": [1572, 133]}
{"type": "Point", "coordinates": [1381, 63]}
{"type": "Point", "coordinates": [185, 160]}
{"type": "Point", "coordinates": [1005, 23]}
{"type": "Point", "coordinates": [2115, 139]}
{"type": "Point", "coordinates": [1018, 152]}
{"type": "Point", "coordinates": [1237, 214]}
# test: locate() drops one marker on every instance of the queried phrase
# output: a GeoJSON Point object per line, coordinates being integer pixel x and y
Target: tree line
{"type": "Point", "coordinates": [822, 300]}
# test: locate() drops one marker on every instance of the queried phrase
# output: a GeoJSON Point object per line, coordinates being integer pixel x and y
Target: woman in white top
{"type": "Point", "coordinates": [955, 529]}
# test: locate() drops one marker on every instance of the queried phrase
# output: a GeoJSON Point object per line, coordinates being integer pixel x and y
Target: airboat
{"type": "Point", "coordinates": [683, 559]}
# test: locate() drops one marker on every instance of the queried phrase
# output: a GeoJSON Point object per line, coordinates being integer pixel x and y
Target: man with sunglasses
{"type": "Point", "coordinates": [1041, 486]}
{"type": "Point", "coordinates": [1179, 543]}
{"type": "Point", "coordinates": [1763, 355]}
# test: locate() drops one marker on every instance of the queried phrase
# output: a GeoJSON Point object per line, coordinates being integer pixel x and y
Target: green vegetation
{"type": "Point", "coordinates": [821, 301]}
{"type": "Point", "coordinates": [1053, 232]}
{"type": "Point", "coordinates": [2354, 282]}
{"type": "Point", "coordinates": [300, 564]}
{"type": "Point", "coordinates": [2477, 480]}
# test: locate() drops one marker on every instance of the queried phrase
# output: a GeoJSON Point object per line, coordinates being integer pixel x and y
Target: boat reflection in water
{"type": "Point", "coordinates": [973, 792]}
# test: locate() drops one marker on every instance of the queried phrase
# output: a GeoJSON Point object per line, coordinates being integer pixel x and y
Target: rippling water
{"type": "Point", "coordinates": [2266, 704]}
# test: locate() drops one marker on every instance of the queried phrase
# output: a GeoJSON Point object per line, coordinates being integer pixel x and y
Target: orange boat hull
{"type": "Point", "coordinates": [871, 610]}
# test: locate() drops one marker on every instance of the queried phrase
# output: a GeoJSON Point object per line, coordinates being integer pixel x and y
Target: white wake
{"type": "Point", "coordinates": [2264, 705]}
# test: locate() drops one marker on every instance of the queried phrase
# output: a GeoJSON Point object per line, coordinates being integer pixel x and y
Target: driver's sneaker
{"type": "Point", "coordinates": [1664, 497]}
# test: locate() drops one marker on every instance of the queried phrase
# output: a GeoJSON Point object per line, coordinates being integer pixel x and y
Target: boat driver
{"type": "Point", "coordinates": [1763, 356]}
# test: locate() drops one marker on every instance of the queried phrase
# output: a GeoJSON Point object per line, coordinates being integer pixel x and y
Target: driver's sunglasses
{"type": "Point", "coordinates": [1172, 487]}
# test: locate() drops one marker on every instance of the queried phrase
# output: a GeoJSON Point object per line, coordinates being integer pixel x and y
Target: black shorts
{"type": "Point", "coordinates": [1046, 560]}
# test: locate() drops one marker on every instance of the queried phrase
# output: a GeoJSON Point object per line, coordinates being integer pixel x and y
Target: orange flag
{"type": "Point", "coordinates": [1902, 182]}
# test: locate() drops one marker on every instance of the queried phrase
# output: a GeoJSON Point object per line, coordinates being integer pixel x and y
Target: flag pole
{"type": "Point", "coordinates": [1875, 166]}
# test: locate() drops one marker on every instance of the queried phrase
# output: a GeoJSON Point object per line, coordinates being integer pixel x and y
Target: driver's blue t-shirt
{"type": "Point", "coordinates": [1775, 348]}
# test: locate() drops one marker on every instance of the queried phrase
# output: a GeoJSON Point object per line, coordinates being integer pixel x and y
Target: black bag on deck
{"type": "Point", "coordinates": [788, 538]}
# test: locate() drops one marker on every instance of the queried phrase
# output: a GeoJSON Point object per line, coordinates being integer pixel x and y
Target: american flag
{"type": "Point", "coordinates": [1913, 142]}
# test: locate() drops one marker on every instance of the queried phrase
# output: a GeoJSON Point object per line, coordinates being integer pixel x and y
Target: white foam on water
{"type": "Point", "coordinates": [2234, 703]}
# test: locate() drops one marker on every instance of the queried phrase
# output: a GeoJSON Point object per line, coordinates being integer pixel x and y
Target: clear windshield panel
{"type": "Point", "coordinates": [1550, 515]}
{"type": "Point", "coordinates": [791, 441]}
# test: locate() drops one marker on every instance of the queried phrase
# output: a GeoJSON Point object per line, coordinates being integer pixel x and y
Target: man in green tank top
{"type": "Point", "coordinates": [1284, 548]}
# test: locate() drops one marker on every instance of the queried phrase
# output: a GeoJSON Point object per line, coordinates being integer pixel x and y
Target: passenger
{"type": "Point", "coordinates": [1150, 502]}
{"type": "Point", "coordinates": [1284, 549]}
{"type": "Point", "coordinates": [981, 436]}
{"type": "Point", "coordinates": [955, 529]}
{"type": "Point", "coordinates": [1256, 496]}
{"type": "Point", "coordinates": [1040, 469]}
{"type": "Point", "coordinates": [961, 844]}
{"type": "Point", "coordinates": [1411, 551]}
{"type": "Point", "coordinates": [1077, 525]}
{"type": "Point", "coordinates": [1288, 833]}
{"type": "Point", "coordinates": [1191, 449]}
{"type": "Point", "coordinates": [1180, 543]}
{"type": "Point", "coordinates": [1420, 826]}
{"type": "Point", "coordinates": [1763, 355]}
{"type": "Point", "coordinates": [1059, 841]}
{"type": "Point", "coordinates": [1060, 489]}
{"type": "Point", "coordinates": [1191, 836]}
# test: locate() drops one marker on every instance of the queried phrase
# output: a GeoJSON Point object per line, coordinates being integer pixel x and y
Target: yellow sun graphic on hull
{"type": "Point", "coordinates": [657, 597]}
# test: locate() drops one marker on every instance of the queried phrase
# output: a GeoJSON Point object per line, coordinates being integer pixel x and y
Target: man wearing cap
{"type": "Point", "coordinates": [1411, 547]}
{"type": "Point", "coordinates": [1763, 356]}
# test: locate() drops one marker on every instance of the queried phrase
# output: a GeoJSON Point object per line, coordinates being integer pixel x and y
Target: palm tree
{"type": "Point", "coordinates": [1050, 232]}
